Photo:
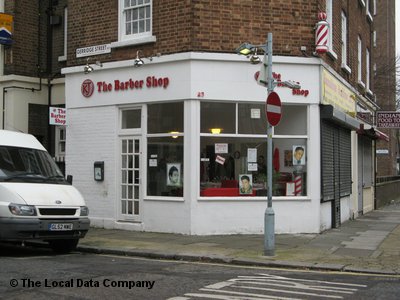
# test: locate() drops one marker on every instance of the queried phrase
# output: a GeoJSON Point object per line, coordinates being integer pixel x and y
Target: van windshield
{"type": "Point", "coordinates": [28, 165]}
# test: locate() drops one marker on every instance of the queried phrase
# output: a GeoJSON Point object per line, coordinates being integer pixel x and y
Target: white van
{"type": "Point", "coordinates": [36, 202]}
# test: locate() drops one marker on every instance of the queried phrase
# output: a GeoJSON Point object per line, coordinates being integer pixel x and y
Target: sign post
{"type": "Point", "coordinates": [269, 215]}
{"type": "Point", "coordinates": [273, 111]}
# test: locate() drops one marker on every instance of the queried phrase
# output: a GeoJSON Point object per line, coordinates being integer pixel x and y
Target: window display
{"type": "Point", "coordinates": [234, 164]}
{"type": "Point", "coordinates": [165, 167]}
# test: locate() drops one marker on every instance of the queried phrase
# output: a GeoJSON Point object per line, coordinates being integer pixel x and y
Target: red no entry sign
{"type": "Point", "coordinates": [273, 109]}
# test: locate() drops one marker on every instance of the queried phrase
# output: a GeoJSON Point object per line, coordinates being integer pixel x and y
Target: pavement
{"type": "Point", "coordinates": [368, 244]}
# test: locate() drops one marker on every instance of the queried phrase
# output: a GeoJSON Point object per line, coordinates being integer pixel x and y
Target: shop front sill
{"type": "Point", "coordinates": [164, 199]}
{"type": "Point", "coordinates": [255, 199]}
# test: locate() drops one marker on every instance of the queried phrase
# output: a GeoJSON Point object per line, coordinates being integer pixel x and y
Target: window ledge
{"type": "Point", "coordinates": [362, 2]}
{"type": "Point", "coordinates": [346, 68]}
{"type": "Point", "coordinates": [332, 54]}
{"type": "Point", "coordinates": [136, 41]}
{"type": "Point", "coordinates": [164, 198]}
{"type": "Point", "coordinates": [62, 58]}
{"type": "Point", "coordinates": [361, 84]}
{"type": "Point", "coordinates": [369, 92]}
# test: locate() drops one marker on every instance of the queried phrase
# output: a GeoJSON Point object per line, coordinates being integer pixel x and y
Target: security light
{"type": "Point", "coordinates": [245, 49]}
{"type": "Point", "coordinates": [138, 61]}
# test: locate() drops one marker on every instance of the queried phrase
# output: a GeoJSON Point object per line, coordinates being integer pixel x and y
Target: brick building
{"type": "Point", "coordinates": [173, 119]}
{"type": "Point", "coordinates": [31, 79]}
{"type": "Point", "coordinates": [385, 82]}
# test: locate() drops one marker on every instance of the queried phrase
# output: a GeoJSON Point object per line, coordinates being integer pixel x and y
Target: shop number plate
{"type": "Point", "coordinates": [60, 226]}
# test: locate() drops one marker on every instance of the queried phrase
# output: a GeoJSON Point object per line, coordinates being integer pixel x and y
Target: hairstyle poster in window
{"type": "Point", "coordinates": [174, 174]}
{"type": "Point", "coordinates": [245, 184]}
{"type": "Point", "coordinates": [299, 155]}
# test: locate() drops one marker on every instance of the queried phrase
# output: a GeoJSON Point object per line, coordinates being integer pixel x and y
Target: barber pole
{"type": "Point", "coordinates": [321, 34]}
{"type": "Point", "coordinates": [297, 185]}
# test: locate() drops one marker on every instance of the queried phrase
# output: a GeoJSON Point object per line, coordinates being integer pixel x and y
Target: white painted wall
{"type": "Point", "coordinates": [17, 100]}
{"type": "Point", "coordinates": [92, 135]}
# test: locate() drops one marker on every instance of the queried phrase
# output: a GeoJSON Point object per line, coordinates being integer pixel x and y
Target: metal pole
{"type": "Point", "coordinates": [269, 216]}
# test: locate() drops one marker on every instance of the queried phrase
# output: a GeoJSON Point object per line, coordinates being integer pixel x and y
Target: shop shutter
{"type": "Point", "coordinates": [367, 162]}
{"type": "Point", "coordinates": [344, 161]}
{"type": "Point", "coordinates": [336, 161]}
{"type": "Point", "coordinates": [328, 161]}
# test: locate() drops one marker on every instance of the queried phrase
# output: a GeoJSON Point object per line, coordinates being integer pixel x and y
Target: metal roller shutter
{"type": "Point", "coordinates": [336, 161]}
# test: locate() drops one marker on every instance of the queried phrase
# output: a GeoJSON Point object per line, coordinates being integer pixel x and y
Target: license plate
{"type": "Point", "coordinates": [60, 226]}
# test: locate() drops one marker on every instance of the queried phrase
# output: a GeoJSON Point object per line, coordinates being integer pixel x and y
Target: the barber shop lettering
{"type": "Point", "coordinates": [132, 84]}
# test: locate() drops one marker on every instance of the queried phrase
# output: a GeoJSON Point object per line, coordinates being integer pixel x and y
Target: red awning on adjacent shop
{"type": "Point", "coordinates": [373, 133]}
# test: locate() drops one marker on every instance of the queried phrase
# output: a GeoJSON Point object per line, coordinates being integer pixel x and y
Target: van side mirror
{"type": "Point", "coordinates": [69, 179]}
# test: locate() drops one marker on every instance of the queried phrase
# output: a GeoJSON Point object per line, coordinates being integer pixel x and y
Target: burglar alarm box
{"type": "Point", "coordinates": [99, 170]}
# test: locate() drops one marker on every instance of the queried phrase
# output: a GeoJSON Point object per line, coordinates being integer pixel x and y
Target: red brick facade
{"type": "Point", "coordinates": [212, 26]}
{"type": "Point", "coordinates": [385, 81]}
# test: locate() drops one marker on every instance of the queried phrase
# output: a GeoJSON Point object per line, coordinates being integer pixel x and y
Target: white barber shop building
{"type": "Point", "coordinates": [167, 147]}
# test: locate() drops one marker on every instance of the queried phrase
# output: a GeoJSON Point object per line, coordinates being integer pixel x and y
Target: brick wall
{"type": "Point", "coordinates": [23, 56]}
{"type": "Point", "coordinates": [357, 25]}
{"type": "Point", "coordinates": [218, 26]}
{"type": "Point", "coordinates": [28, 54]}
{"type": "Point", "coordinates": [385, 80]}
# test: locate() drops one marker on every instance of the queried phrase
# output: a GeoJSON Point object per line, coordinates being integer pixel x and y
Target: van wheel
{"type": "Point", "coordinates": [63, 246]}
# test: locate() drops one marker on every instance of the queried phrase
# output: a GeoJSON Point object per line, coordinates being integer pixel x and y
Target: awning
{"type": "Point", "coordinates": [372, 133]}
{"type": "Point", "coordinates": [328, 112]}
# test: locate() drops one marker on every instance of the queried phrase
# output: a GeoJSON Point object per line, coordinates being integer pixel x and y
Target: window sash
{"type": "Point", "coordinates": [367, 69]}
{"type": "Point", "coordinates": [344, 39]}
{"type": "Point", "coordinates": [329, 19]}
{"type": "Point", "coordinates": [136, 18]}
{"type": "Point", "coordinates": [359, 60]}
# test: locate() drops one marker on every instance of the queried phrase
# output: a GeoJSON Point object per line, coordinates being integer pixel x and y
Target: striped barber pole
{"type": "Point", "coordinates": [321, 34]}
{"type": "Point", "coordinates": [297, 185]}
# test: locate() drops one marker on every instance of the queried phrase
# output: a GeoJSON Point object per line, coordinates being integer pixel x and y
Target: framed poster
{"type": "Point", "coordinates": [245, 184]}
{"type": "Point", "coordinates": [299, 155]}
{"type": "Point", "coordinates": [174, 174]}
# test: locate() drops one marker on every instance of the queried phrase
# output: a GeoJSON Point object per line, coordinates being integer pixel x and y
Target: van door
{"type": "Point", "coordinates": [130, 191]}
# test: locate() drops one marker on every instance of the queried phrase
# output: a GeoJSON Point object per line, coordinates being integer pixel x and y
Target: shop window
{"type": "Point", "coordinates": [252, 119]}
{"type": "Point", "coordinates": [131, 118]}
{"type": "Point", "coordinates": [293, 122]}
{"type": "Point", "coordinates": [218, 117]}
{"type": "Point", "coordinates": [233, 165]}
{"type": "Point", "coordinates": [165, 167]}
{"type": "Point", "coordinates": [165, 118]}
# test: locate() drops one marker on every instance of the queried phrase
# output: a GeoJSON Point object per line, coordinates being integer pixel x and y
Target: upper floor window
{"type": "Point", "coordinates": [359, 63]}
{"type": "Point", "coordinates": [367, 71]}
{"type": "Point", "coordinates": [344, 43]}
{"type": "Point", "coordinates": [329, 19]}
{"type": "Point", "coordinates": [137, 15]}
{"type": "Point", "coordinates": [64, 56]}
{"type": "Point", "coordinates": [135, 22]}
{"type": "Point", "coordinates": [368, 9]}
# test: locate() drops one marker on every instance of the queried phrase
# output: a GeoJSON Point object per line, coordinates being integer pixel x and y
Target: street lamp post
{"type": "Point", "coordinates": [269, 215]}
